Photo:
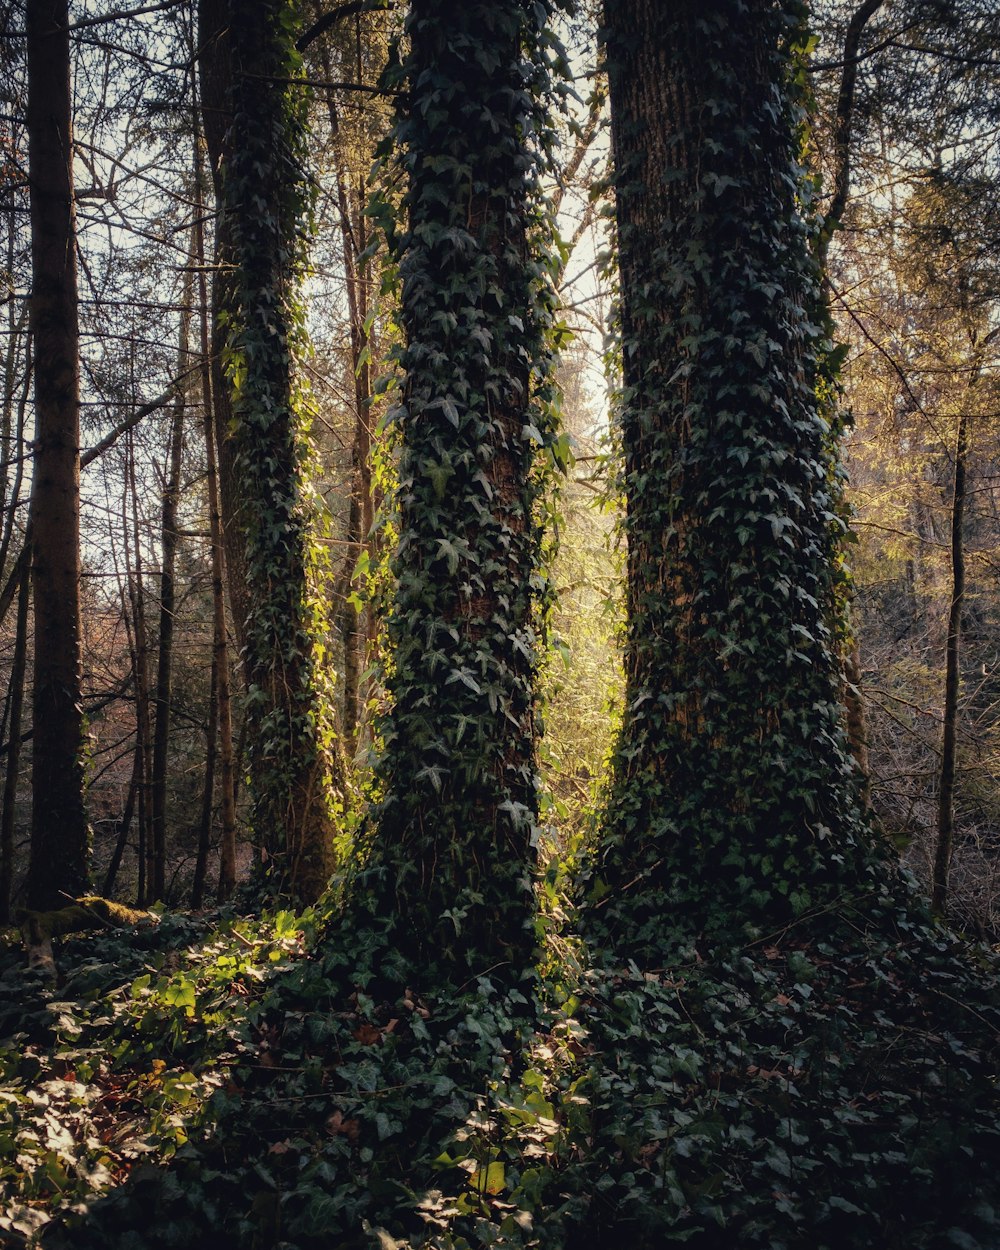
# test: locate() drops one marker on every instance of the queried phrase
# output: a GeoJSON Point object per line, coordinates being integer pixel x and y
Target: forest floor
{"type": "Point", "coordinates": [276, 1082]}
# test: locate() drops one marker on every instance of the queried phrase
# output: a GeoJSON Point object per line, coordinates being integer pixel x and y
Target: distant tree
{"type": "Point", "coordinates": [734, 799]}
{"type": "Point", "coordinates": [455, 830]}
{"type": "Point", "coordinates": [59, 832]}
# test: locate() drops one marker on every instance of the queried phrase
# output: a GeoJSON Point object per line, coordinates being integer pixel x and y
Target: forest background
{"type": "Point", "coordinates": [913, 280]}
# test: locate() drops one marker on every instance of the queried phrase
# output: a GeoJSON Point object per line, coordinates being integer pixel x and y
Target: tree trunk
{"type": "Point", "coordinates": [220, 646]}
{"type": "Point", "coordinates": [953, 656]}
{"type": "Point", "coordinates": [215, 81]}
{"type": "Point", "coordinates": [295, 769]}
{"type": "Point", "coordinates": [14, 739]}
{"type": "Point", "coordinates": [111, 876]}
{"type": "Point", "coordinates": [140, 673]}
{"type": "Point", "coordinates": [361, 516]}
{"type": "Point", "coordinates": [733, 794]}
{"type": "Point", "coordinates": [853, 699]}
{"type": "Point", "coordinates": [207, 793]}
{"type": "Point", "coordinates": [59, 831]}
{"type": "Point", "coordinates": [164, 665]}
{"type": "Point", "coordinates": [457, 826]}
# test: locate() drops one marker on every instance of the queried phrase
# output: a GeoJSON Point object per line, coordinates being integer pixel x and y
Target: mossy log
{"type": "Point", "coordinates": [90, 911]}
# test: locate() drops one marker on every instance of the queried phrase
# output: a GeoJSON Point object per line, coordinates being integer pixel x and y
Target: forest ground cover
{"type": "Point", "coordinates": [289, 1081]}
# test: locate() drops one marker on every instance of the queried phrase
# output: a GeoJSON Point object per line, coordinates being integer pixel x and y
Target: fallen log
{"type": "Point", "coordinates": [90, 911]}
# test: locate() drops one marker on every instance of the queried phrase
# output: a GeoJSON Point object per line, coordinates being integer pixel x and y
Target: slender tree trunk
{"type": "Point", "coordinates": [128, 812]}
{"type": "Point", "coordinates": [10, 525]}
{"type": "Point", "coordinates": [168, 558]}
{"type": "Point", "coordinates": [220, 646]}
{"type": "Point", "coordinates": [353, 237]}
{"type": "Point", "coordinates": [953, 657]}
{"type": "Point", "coordinates": [208, 791]}
{"type": "Point", "coordinates": [14, 747]}
{"type": "Point", "coordinates": [140, 668]}
{"type": "Point", "coordinates": [853, 699]}
{"type": "Point", "coordinates": [59, 832]}
{"type": "Point", "coordinates": [215, 78]}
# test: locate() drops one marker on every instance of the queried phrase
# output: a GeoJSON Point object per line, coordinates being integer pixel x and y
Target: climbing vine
{"type": "Point", "coordinates": [295, 772]}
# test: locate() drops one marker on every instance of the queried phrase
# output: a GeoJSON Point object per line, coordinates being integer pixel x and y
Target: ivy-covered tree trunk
{"type": "Point", "coordinates": [59, 831]}
{"type": "Point", "coordinates": [295, 772]}
{"type": "Point", "coordinates": [734, 797]}
{"type": "Point", "coordinates": [455, 832]}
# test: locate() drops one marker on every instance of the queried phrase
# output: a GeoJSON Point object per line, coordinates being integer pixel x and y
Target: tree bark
{"type": "Point", "coordinates": [296, 771]}
{"type": "Point", "coordinates": [128, 812]}
{"type": "Point", "coordinates": [207, 793]}
{"type": "Point", "coordinates": [59, 831]}
{"type": "Point", "coordinates": [140, 672]}
{"type": "Point", "coordinates": [361, 514]}
{"type": "Point", "coordinates": [220, 645]}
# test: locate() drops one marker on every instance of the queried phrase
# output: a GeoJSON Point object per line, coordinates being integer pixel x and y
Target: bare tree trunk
{"type": "Point", "coordinates": [854, 705]}
{"type": "Point", "coordinates": [140, 665]}
{"type": "Point", "coordinates": [126, 821]}
{"type": "Point", "coordinates": [220, 649]}
{"type": "Point", "coordinates": [208, 791]}
{"type": "Point", "coordinates": [352, 623]}
{"type": "Point", "coordinates": [215, 78]}
{"type": "Point", "coordinates": [59, 832]}
{"type": "Point", "coordinates": [953, 648]}
{"type": "Point", "coordinates": [168, 548]}
{"type": "Point", "coordinates": [14, 740]}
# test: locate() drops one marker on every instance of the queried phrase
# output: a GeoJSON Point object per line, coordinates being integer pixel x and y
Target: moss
{"type": "Point", "coordinates": [88, 912]}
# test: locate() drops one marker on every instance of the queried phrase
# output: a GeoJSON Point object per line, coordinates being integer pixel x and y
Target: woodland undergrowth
{"type": "Point", "coordinates": [292, 1082]}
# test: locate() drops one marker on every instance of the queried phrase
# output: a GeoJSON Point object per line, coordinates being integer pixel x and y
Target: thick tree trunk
{"type": "Point", "coordinates": [456, 829]}
{"type": "Point", "coordinates": [733, 792]}
{"type": "Point", "coordinates": [59, 832]}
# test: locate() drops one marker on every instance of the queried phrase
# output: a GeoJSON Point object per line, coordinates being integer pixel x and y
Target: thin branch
{"type": "Point", "coordinates": [120, 14]}
{"type": "Point", "coordinates": [323, 24]}
{"type": "Point", "coordinates": [133, 419]}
